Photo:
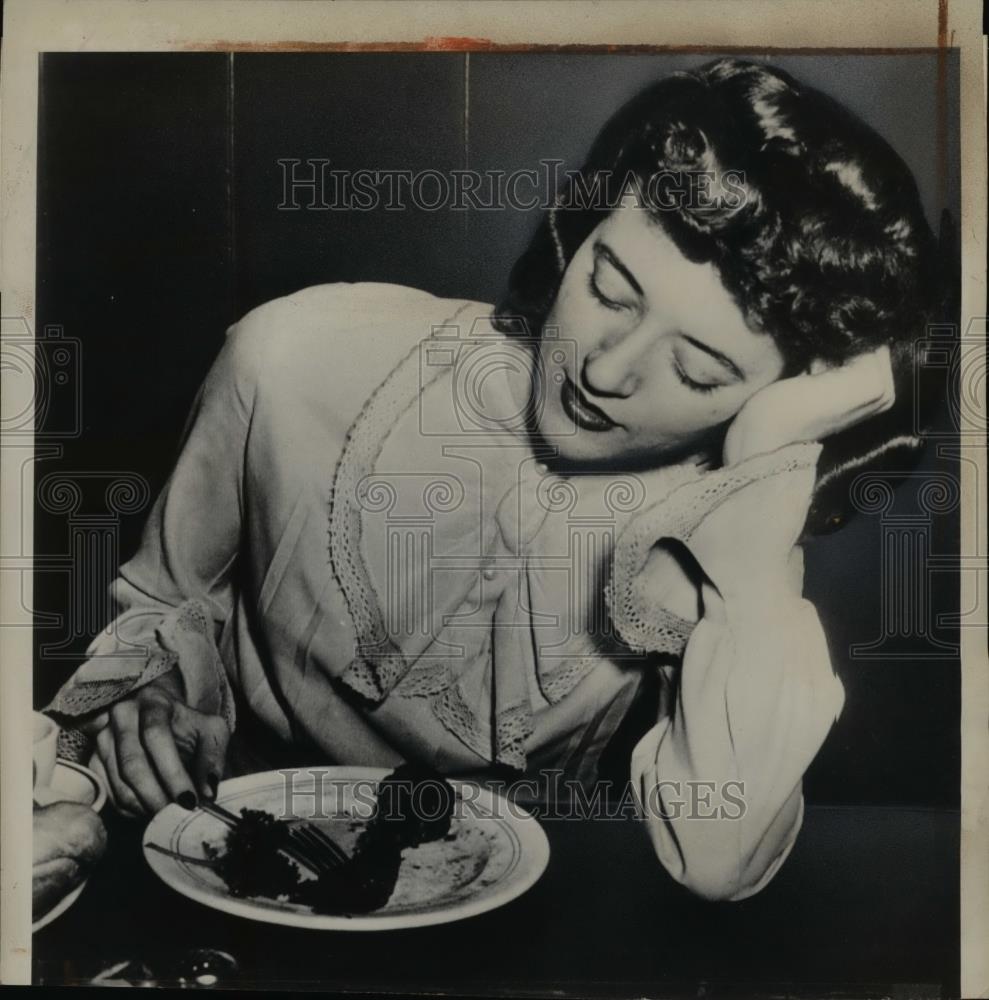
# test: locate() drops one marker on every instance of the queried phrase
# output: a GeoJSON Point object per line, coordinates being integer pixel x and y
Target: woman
{"type": "Point", "coordinates": [533, 510]}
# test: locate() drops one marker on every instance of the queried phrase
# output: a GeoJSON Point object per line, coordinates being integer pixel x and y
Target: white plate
{"type": "Point", "coordinates": [71, 782]}
{"type": "Point", "coordinates": [498, 850]}
{"type": "Point", "coordinates": [59, 908]}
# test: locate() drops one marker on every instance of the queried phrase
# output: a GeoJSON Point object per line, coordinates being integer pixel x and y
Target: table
{"type": "Point", "coordinates": [866, 905]}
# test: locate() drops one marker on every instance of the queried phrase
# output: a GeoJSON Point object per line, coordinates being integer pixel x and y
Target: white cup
{"type": "Point", "coordinates": [45, 746]}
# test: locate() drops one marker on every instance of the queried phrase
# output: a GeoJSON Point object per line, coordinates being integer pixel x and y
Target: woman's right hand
{"type": "Point", "coordinates": [152, 748]}
{"type": "Point", "coordinates": [810, 407]}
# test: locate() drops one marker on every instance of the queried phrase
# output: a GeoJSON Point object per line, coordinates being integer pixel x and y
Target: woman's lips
{"type": "Point", "coordinates": [583, 412]}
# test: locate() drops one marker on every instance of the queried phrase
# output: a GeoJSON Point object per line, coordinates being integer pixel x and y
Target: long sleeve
{"type": "Point", "coordinates": [173, 596]}
{"type": "Point", "coordinates": [719, 779]}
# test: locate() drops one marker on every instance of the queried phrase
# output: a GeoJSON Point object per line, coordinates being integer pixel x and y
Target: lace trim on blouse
{"type": "Point", "coordinates": [380, 667]}
{"type": "Point", "coordinates": [379, 663]}
{"type": "Point", "coordinates": [184, 637]}
{"type": "Point", "coordinates": [643, 623]}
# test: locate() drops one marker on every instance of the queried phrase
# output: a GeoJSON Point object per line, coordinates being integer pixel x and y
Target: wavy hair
{"type": "Point", "coordinates": [818, 233]}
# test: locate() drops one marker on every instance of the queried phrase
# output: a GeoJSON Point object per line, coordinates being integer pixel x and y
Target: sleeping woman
{"type": "Point", "coordinates": [406, 528]}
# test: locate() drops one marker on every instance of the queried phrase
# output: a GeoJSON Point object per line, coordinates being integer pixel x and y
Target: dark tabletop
{"type": "Point", "coordinates": [866, 905]}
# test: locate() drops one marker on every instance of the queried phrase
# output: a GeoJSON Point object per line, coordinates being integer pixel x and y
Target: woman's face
{"type": "Point", "coordinates": [661, 355]}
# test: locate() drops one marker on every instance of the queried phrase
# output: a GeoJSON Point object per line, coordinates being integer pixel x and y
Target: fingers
{"type": "Point", "coordinates": [147, 757]}
{"type": "Point", "coordinates": [864, 384]}
{"type": "Point", "coordinates": [145, 749]}
{"type": "Point", "coordinates": [92, 726]}
{"type": "Point", "coordinates": [159, 742]}
{"type": "Point", "coordinates": [882, 367]}
{"type": "Point", "coordinates": [106, 762]}
{"type": "Point", "coordinates": [213, 738]}
{"type": "Point", "coordinates": [814, 406]}
{"type": "Point", "coordinates": [133, 766]}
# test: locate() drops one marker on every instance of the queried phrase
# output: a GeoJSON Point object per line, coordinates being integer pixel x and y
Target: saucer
{"type": "Point", "coordinates": [72, 782]}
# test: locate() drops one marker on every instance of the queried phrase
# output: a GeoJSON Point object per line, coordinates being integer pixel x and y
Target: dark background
{"type": "Point", "coordinates": [158, 226]}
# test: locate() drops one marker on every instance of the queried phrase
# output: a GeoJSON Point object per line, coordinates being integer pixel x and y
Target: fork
{"type": "Point", "coordinates": [310, 846]}
{"type": "Point", "coordinates": [323, 846]}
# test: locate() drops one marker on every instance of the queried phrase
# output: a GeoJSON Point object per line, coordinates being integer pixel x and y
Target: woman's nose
{"type": "Point", "coordinates": [615, 368]}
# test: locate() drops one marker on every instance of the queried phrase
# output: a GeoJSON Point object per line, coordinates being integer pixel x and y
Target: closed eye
{"type": "Point", "coordinates": [693, 383]}
{"type": "Point", "coordinates": [732, 370]}
{"type": "Point", "coordinates": [611, 282]}
{"type": "Point", "coordinates": [605, 300]}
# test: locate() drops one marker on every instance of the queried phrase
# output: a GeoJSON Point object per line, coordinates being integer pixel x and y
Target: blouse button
{"type": "Point", "coordinates": [490, 573]}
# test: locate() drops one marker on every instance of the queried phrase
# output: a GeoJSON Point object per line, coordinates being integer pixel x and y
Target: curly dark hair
{"type": "Point", "coordinates": [825, 246]}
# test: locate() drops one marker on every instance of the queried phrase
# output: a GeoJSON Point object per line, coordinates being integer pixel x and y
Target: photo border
{"type": "Point", "coordinates": [739, 26]}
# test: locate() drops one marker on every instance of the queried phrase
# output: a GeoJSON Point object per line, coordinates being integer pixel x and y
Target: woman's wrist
{"type": "Point", "coordinates": [172, 683]}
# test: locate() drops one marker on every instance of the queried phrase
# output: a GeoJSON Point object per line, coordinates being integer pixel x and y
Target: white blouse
{"type": "Point", "coordinates": [359, 538]}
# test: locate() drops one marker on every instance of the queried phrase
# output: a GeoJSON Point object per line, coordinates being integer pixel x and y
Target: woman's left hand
{"type": "Point", "coordinates": [811, 406]}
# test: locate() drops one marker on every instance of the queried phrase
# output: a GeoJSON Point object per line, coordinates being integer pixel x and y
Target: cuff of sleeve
{"type": "Point", "coordinates": [188, 635]}
{"type": "Point", "coordinates": [697, 514]}
{"type": "Point", "coordinates": [778, 862]}
{"type": "Point", "coordinates": [183, 638]}
{"type": "Point", "coordinates": [704, 873]}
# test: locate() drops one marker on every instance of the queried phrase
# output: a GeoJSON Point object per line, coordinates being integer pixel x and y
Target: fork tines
{"type": "Point", "coordinates": [309, 845]}
{"type": "Point", "coordinates": [322, 846]}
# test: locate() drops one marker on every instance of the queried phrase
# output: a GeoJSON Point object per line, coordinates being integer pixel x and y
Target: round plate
{"type": "Point", "coordinates": [495, 852]}
{"type": "Point", "coordinates": [71, 782]}
{"type": "Point", "coordinates": [59, 908]}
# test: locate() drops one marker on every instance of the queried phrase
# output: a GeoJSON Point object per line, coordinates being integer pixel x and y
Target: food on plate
{"type": "Point", "coordinates": [251, 861]}
{"type": "Point", "coordinates": [363, 884]}
{"type": "Point", "coordinates": [414, 805]}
